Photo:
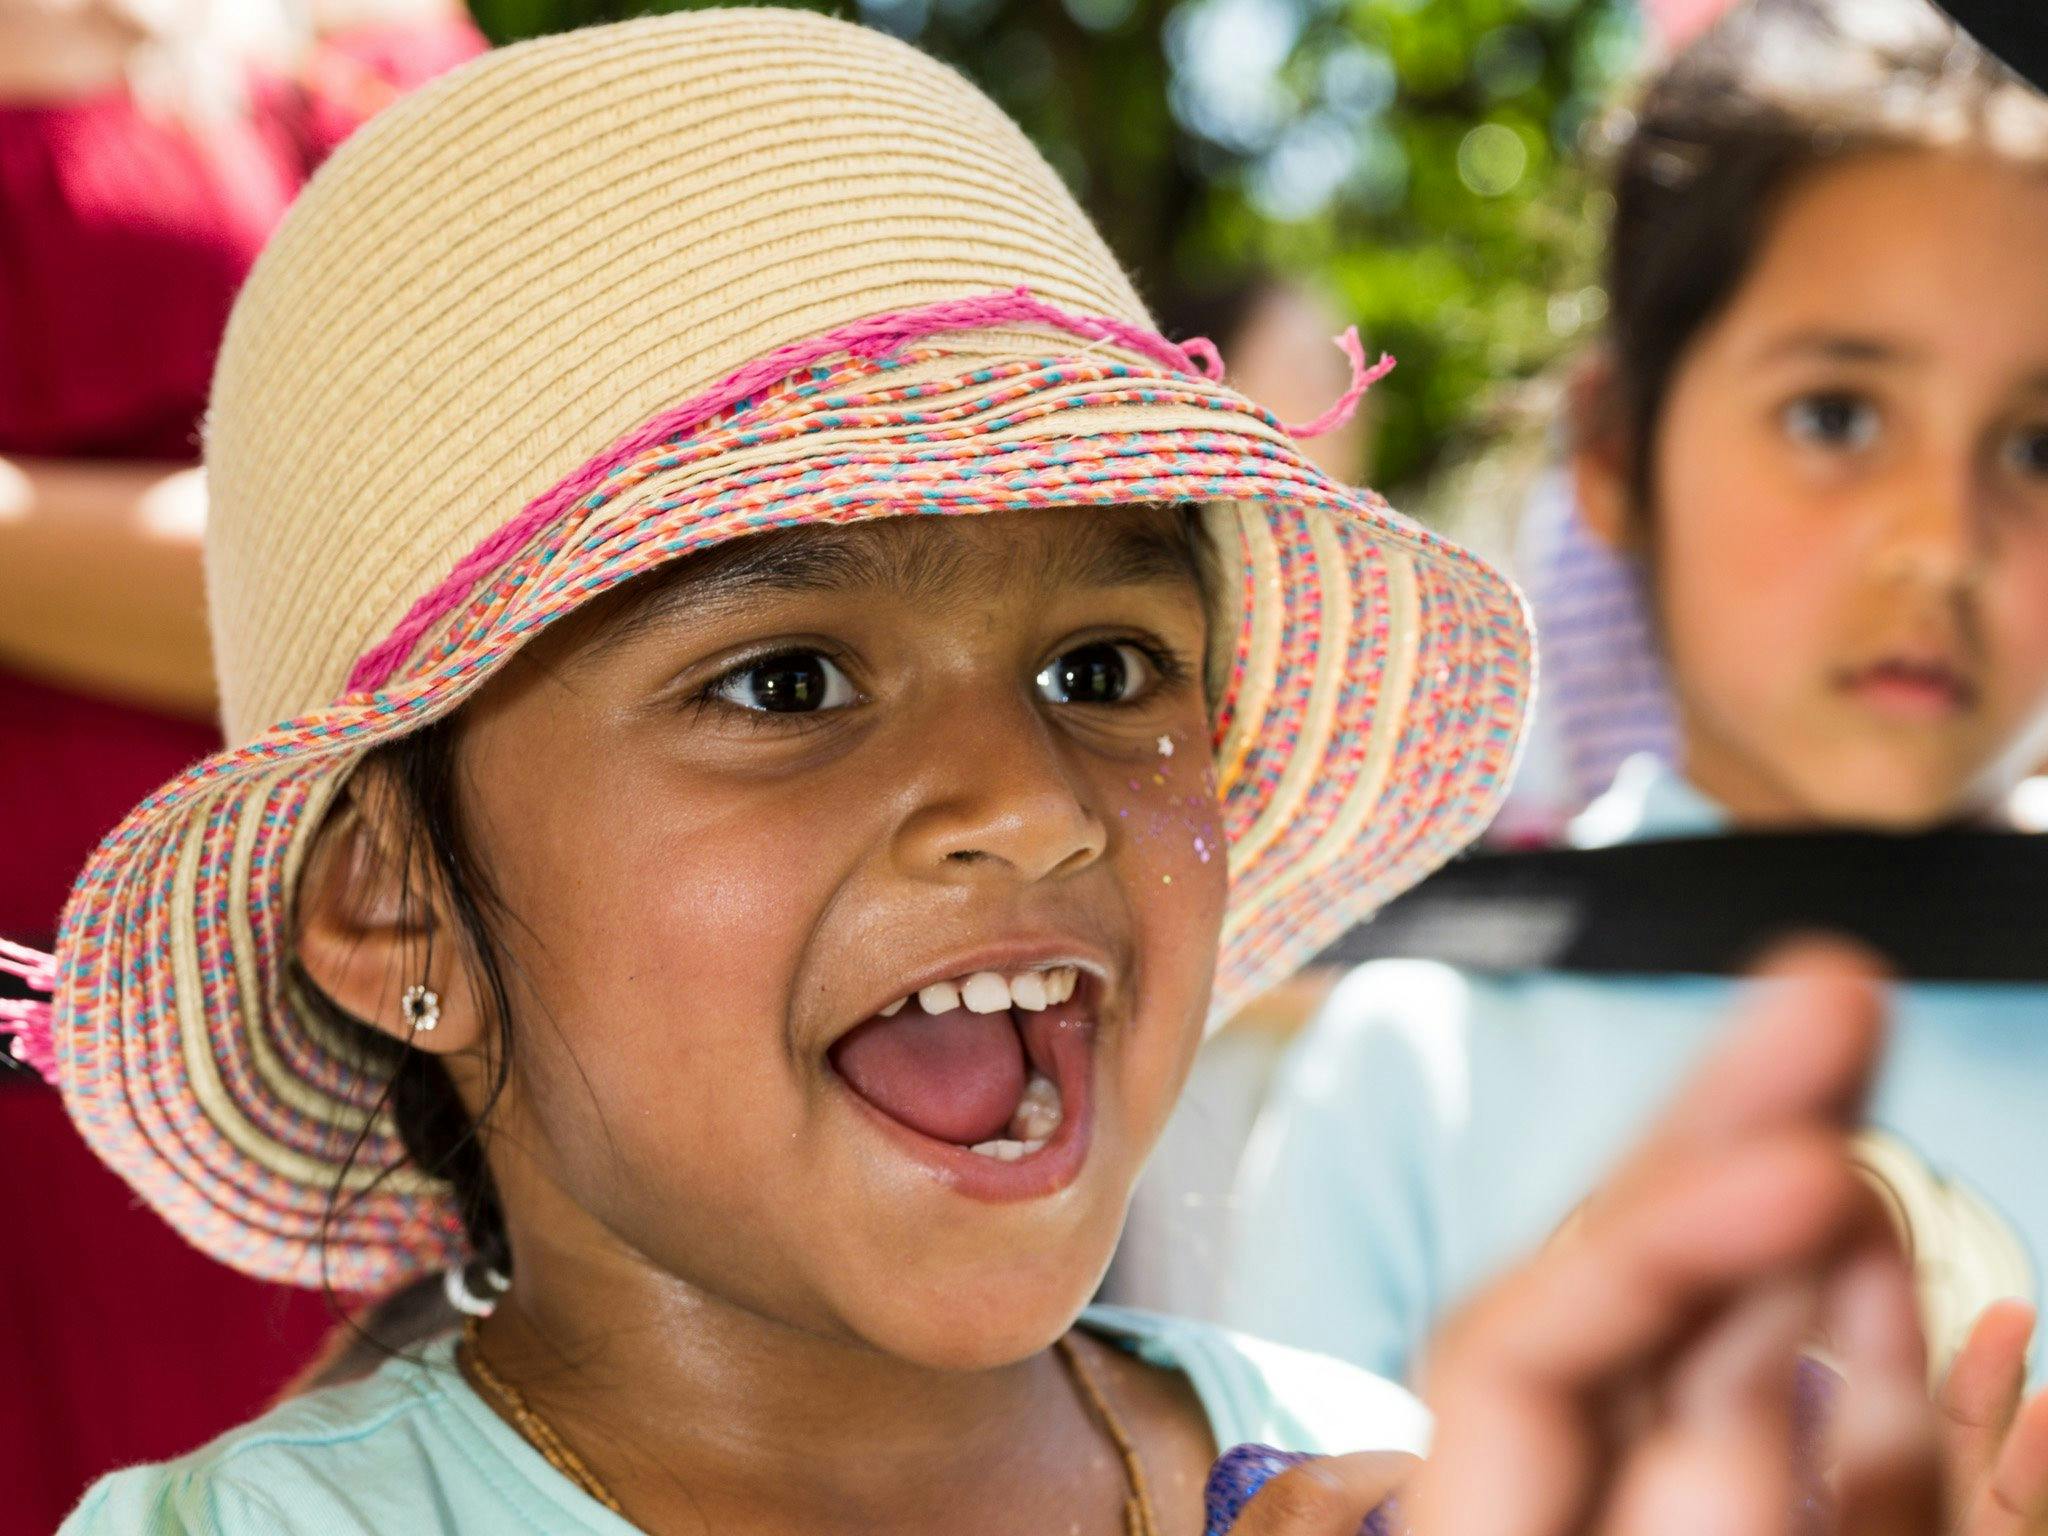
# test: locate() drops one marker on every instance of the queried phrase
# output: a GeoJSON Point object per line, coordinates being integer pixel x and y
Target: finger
{"type": "Point", "coordinates": [1515, 1379]}
{"type": "Point", "coordinates": [2013, 1501]}
{"type": "Point", "coordinates": [1890, 1452]}
{"type": "Point", "coordinates": [1721, 1463]}
{"type": "Point", "coordinates": [1330, 1496]}
{"type": "Point", "coordinates": [1680, 1485]}
{"type": "Point", "coordinates": [1804, 1045]}
{"type": "Point", "coordinates": [1736, 1377]}
{"type": "Point", "coordinates": [1981, 1394]}
{"type": "Point", "coordinates": [1648, 1261]}
{"type": "Point", "coordinates": [1805, 1042]}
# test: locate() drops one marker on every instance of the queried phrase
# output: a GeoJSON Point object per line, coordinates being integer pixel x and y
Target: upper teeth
{"type": "Point", "coordinates": [992, 992]}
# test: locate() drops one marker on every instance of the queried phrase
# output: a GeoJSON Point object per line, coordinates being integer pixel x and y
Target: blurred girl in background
{"type": "Point", "coordinates": [1820, 426]}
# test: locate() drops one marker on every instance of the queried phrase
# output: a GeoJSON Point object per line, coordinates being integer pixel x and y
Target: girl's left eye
{"type": "Point", "coordinates": [793, 683]}
{"type": "Point", "coordinates": [2029, 451]}
{"type": "Point", "coordinates": [1105, 672]}
{"type": "Point", "coordinates": [1832, 420]}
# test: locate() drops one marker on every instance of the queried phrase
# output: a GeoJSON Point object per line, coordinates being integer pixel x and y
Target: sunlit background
{"type": "Point", "coordinates": [1414, 158]}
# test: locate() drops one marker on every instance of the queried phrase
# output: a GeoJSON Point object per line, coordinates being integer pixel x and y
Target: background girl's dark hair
{"type": "Point", "coordinates": [1777, 90]}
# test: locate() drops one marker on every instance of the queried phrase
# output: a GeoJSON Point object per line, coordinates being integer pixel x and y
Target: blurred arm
{"type": "Point", "coordinates": [101, 587]}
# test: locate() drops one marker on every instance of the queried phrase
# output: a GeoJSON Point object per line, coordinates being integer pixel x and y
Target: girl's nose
{"type": "Point", "coordinates": [1937, 534]}
{"type": "Point", "coordinates": [999, 799]}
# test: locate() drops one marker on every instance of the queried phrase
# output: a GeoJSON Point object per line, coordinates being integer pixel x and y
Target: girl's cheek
{"type": "Point", "coordinates": [1168, 817]}
{"type": "Point", "coordinates": [2016, 625]}
{"type": "Point", "coordinates": [1750, 560]}
{"type": "Point", "coordinates": [1166, 838]}
{"type": "Point", "coordinates": [1168, 829]}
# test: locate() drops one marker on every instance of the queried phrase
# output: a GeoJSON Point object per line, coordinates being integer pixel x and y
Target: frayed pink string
{"type": "Point", "coordinates": [33, 1023]}
{"type": "Point", "coordinates": [1362, 379]}
{"type": "Point", "coordinates": [31, 965]}
{"type": "Point", "coordinates": [35, 1036]}
{"type": "Point", "coordinates": [877, 336]}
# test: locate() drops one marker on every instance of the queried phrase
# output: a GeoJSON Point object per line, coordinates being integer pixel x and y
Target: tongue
{"type": "Point", "coordinates": [952, 1076]}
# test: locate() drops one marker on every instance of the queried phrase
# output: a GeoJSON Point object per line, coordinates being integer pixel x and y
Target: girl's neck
{"type": "Point", "coordinates": [700, 1414]}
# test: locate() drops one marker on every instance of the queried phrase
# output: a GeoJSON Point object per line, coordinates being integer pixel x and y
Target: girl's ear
{"type": "Point", "coordinates": [369, 930]}
{"type": "Point", "coordinates": [1599, 454]}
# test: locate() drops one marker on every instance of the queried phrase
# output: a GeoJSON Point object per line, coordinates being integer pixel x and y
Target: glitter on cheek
{"type": "Point", "coordinates": [1166, 746]}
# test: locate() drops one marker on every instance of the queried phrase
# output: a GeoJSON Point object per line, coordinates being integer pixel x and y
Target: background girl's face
{"type": "Point", "coordinates": [736, 818]}
{"type": "Point", "coordinates": [1850, 529]}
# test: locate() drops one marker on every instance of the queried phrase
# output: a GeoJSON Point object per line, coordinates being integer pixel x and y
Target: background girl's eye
{"type": "Point", "coordinates": [2029, 451]}
{"type": "Point", "coordinates": [1832, 421]}
{"type": "Point", "coordinates": [797, 682]}
{"type": "Point", "coordinates": [1107, 672]}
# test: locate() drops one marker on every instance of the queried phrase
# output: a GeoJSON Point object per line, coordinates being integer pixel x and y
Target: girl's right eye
{"type": "Point", "coordinates": [792, 683]}
{"type": "Point", "coordinates": [1833, 420]}
{"type": "Point", "coordinates": [2028, 451]}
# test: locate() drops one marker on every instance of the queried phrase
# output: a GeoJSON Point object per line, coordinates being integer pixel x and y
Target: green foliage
{"type": "Point", "coordinates": [1416, 157]}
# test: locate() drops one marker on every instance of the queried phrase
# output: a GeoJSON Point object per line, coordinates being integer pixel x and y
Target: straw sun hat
{"type": "Point", "coordinates": [600, 300]}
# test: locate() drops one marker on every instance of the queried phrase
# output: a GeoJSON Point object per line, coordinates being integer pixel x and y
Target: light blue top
{"type": "Point", "coordinates": [1434, 1124]}
{"type": "Point", "coordinates": [413, 1451]}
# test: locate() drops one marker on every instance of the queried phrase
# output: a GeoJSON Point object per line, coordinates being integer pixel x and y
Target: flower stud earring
{"type": "Point", "coordinates": [421, 1006]}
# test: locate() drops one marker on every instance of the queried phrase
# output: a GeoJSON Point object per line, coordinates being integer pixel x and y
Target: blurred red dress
{"type": "Point", "coordinates": [123, 237]}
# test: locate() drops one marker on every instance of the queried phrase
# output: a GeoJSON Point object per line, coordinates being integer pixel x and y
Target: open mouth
{"type": "Point", "coordinates": [985, 1071]}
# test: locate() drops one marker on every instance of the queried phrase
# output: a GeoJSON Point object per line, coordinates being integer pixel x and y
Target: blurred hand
{"type": "Point", "coordinates": [1638, 1379]}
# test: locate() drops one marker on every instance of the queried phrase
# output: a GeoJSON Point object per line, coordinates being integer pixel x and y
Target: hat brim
{"type": "Point", "coordinates": [1368, 714]}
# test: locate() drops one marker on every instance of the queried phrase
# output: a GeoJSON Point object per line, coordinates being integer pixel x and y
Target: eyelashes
{"type": "Point", "coordinates": [795, 685]}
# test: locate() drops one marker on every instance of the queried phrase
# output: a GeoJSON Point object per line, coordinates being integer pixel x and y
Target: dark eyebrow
{"type": "Point", "coordinates": [1840, 347]}
{"type": "Point", "coordinates": [919, 562]}
{"type": "Point", "coordinates": [1133, 552]}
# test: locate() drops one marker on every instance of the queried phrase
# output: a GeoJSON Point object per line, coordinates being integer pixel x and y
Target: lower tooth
{"type": "Point", "coordinates": [1039, 1111]}
{"type": "Point", "coordinates": [1002, 1151]}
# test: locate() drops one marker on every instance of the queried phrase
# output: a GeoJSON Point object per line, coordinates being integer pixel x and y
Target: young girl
{"type": "Point", "coordinates": [1821, 427]}
{"type": "Point", "coordinates": [739, 739]}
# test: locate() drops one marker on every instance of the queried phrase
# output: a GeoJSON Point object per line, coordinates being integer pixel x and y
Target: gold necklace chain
{"type": "Point", "coordinates": [1139, 1519]}
{"type": "Point", "coordinates": [537, 1431]}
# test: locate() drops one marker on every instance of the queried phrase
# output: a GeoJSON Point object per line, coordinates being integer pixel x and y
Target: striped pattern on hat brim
{"type": "Point", "coordinates": [1368, 711]}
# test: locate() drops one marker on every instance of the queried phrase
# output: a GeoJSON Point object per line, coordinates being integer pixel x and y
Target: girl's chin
{"type": "Point", "coordinates": [979, 1316]}
{"type": "Point", "coordinates": [980, 1342]}
{"type": "Point", "coordinates": [1888, 795]}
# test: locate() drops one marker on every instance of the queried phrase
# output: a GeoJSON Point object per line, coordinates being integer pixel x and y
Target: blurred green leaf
{"type": "Point", "coordinates": [1214, 140]}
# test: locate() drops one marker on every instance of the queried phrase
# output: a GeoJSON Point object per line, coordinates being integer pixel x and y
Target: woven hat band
{"type": "Point", "coordinates": [873, 337]}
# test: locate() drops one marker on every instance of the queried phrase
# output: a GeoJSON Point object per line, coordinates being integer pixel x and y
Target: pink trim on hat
{"type": "Point", "coordinates": [874, 337]}
{"type": "Point", "coordinates": [33, 1023]}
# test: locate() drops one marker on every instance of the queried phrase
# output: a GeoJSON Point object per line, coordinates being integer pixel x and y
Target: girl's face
{"type": "Point", "coordinates": [1850, 529]}
{"type": "Point", "coordinates": [739, 817]}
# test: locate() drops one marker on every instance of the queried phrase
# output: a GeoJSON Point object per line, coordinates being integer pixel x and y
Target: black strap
{"type": "Point", "coordinates": [1949, 906]}
{"type": "Point", "coordinates": [2015, 30]}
